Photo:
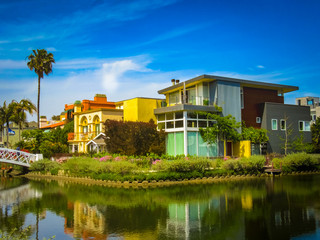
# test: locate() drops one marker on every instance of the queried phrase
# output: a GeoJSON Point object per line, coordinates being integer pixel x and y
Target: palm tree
{"type": "Point", "coordinates": [41, 62]}
{"type": "Point", "coordinates": [20, 116]}
{"type": "Point", "coordinates": [6, 114]}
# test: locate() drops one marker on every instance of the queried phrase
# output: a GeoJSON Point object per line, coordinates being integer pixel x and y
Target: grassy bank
{"type": "Point", "coordinates": [139, 169]}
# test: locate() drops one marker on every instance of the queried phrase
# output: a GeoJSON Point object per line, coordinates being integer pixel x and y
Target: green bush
{"type": "Point", "coordinates": [183, 165]}
{"type": "Point", "coordinates": [297, 162]}
{"type": "Point", "coordinates": [253, 164]}
{"type": "Point", "coordinates": [45, 165]}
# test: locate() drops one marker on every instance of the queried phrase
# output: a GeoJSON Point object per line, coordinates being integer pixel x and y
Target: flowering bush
{"type": "Point", "coordinates": [105, 158]}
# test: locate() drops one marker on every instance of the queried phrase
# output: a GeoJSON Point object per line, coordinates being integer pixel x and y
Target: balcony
{"type": "Point", "coordinates": [82, 136]}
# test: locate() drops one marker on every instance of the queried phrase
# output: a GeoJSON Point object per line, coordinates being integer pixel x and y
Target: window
{"type": "Point", "coordinates": [174, 98]}
{"type": "Point", "coordinates": [274, 124]}
{"type": "Point", "coordinates": [283, 124]}
{"type": "Point", "coordinates": [241, 98]}
{"type": "Point", "coordinates": [304, 126]}
{"type": "Point", "coordinates": [258, 119]}
{"type": "Point", "coordinates": [310, 102]}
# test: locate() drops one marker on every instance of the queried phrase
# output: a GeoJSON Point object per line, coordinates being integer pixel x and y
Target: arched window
{"type": "Point", "coordinates": [96, 122]}
{"type": "Point", "coordinates": [84, 125]}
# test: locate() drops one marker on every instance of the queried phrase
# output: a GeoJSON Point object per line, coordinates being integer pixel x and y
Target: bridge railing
{"type": "Point", "coordinates": [17, 156]}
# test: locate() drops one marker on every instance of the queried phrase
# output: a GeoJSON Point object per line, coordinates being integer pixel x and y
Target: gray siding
{"type": "Point", "coordinates": [229, 99]}
{"type": "Point", "coordinates": [294, 114]}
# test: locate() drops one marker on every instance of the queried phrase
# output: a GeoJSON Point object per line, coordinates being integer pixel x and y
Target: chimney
{"type": "Point", "coordinates": [177, 81]}
{"type": "Point", "coordinates": [173, 81]}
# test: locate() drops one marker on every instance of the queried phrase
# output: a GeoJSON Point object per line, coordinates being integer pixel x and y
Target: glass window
{"type": "Point", "coordinates": [202, 124]}
{"type": "Point", "coordinates": [307, 126]}
{"type": "Point", "coordinates": [192, 123]}
{"type": "Point", "coordinates": [179, 124]}
{"type": "Point", "coordinates": [97, 128]}
{"type": "Point", "coordinates": [174, 97]}
{"type": "Point", "coordinates": [192, 115]}
{"type": "Point", "coordinates": [202, 115]}
{"type": "Point", "coordinates": [179, 143]}
{"type": "Point", "coordinates": [283, 124]}
{"type": "Point", "coordinates": [241, 98]}
{"type": "Point", "coordinates": [161, 125]}
{"type": "Point", "coordinates": [169, 116]}
{"type": "Point", "coordinates": [274, 124]}
{"type": "Point", "coordinates": [310, 102]}
{"type": "Point", "coordinates": [161, 117]}
{"type": "Point", "coordinates": [301, 126]}
{"type": "Point", "coordinates": [192, 143]}
{"type": "Point", "coordinates": [169, 124]}
{"type": "Point", "coordinates": [179, 115]}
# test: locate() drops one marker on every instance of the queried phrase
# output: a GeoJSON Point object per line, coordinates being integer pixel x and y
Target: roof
{"type": "Point", "coordinates": [120, 102]}
{"type": "Point", "coordinates": [98, 110]}
{"type": "Point", "coordinates": [54, 125]}
{"type": "Point", "coordinates": [246, 83]}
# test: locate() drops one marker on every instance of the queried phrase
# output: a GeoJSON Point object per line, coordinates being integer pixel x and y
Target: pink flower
{"type": "Point", "coordinates": [156, 161]}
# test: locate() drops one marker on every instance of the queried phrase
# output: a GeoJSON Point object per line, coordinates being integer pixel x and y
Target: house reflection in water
{"type": "Point", "coordinates": [88, 222]}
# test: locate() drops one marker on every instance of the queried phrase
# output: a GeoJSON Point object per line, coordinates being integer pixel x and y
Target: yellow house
{"type": "Point", "coordinates": [88, 124]}
{"type": "Point", "coordinates": [89, 117]}
{"type": "Point", "coordinates": [139, 109]}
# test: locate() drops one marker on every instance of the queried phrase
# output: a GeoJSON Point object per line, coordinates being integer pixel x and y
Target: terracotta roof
{"type": "Point", "coordinates": [54, 125]}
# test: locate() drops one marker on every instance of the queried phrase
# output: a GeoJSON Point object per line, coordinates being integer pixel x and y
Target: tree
{"type": "Point", "coordinates": [134, 138]}
{"type": "Point", "coordinates": [315, 130]}
{"type": "Point", "coordinates": [20, 116]}
{"type": "Point", "coordinates": [6, 115]}
{"type": "Point", "coordinates": [255, 135]}
{"type": "Point", "coordinates": [41, 62]}
{"type": "Point", "coordinates": [225, 128]}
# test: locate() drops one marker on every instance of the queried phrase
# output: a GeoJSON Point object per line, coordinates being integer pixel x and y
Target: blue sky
{"type": "Point", "coordinates": [133, 48]}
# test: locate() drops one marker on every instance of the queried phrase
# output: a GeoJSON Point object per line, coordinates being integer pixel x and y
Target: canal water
{"type": "Point", "coordinates": [286, 207]}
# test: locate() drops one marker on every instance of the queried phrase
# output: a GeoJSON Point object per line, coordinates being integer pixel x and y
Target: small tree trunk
{"type": "Point", "coordinates": [38, 105]}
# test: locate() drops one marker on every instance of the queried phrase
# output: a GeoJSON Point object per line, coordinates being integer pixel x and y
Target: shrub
{"type": "Point", "coordinates": [182, 165]}
{"type": "Point", "coordinates": [297, 162]}
{"type": "Point", "coordinates": [254, 164]}
{"type": "Point", "coordinates": [45, 165]}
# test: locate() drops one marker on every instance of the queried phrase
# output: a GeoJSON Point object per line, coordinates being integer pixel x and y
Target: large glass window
{"type": "Point", "coordinates": [174, 98]}
{"type": "Point", "coordinates": [192, 143]}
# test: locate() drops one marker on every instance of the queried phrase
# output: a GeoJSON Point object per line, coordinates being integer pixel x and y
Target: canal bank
{"type": "Point", "coordinates": [146, 184]}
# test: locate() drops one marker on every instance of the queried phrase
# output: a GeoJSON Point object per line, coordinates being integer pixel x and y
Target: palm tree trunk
{"type": "Point", "coordinates": [7, 134]}
{"type": "Point", "coordinates": [38, 113]}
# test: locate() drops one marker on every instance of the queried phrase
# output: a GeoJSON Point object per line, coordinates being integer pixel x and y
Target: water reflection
{"type": "Point", "coordinates": [266, 208]}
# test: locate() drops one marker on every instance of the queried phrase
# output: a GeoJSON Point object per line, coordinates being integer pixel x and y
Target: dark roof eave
{"type": "Point", "coordinates": [287, 88]}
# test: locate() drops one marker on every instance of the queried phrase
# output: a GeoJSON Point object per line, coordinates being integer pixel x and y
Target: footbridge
{"type": "Point", "coordinates": [17, 157]}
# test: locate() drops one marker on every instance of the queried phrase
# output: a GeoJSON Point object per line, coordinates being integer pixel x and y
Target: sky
{"type": "Point", "coordinates": [133, 48]}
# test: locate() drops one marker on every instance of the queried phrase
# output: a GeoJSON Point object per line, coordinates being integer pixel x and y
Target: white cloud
{"type": "Point", "coordinates": [12, 64]}
{"type": "Point", "coordinates": [51, 49]}
{"type": "Point", "coordinates": [113, 72]}
{"type": "Point", "coordinates": [260, 66]}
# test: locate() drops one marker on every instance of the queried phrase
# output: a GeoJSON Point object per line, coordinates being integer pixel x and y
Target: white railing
{"type": "Point", "coordinates": [17, 157]}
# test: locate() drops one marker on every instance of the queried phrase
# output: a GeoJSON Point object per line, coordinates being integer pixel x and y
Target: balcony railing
{"type": "Point", "coordinates": [82, 136]}
{"type": "Point", "coordinates": [192, 100]}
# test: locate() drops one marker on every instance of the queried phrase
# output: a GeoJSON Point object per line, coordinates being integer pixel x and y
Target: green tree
{"type": "Point", "coordinates": [41, 62]}
{"type": "Point", "coordinates": [20, 116]}
{"type": "Point", "coordinates": [6, 115]}
{"type": "Point", "coordinates": [225, 128]}
{"type": "Point", "coordinates": [315, 130]}
{"type": "Point", "coordinates": [134, 138]}
{"type": "Point", "coordinates": [255, 135]}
